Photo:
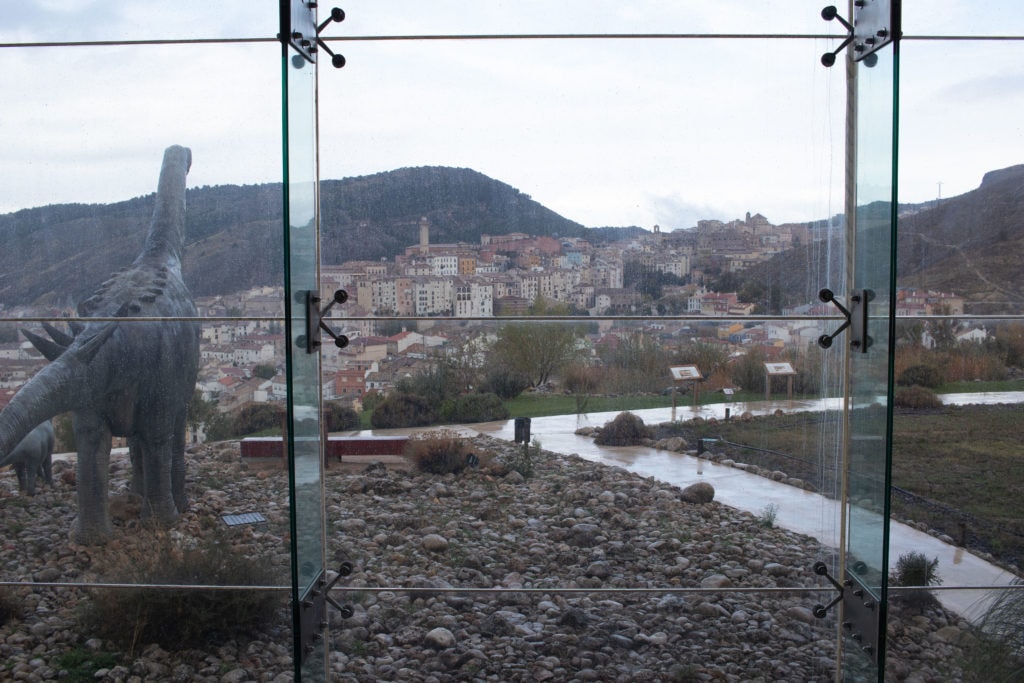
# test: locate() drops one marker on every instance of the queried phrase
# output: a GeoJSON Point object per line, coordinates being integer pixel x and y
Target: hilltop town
{"type": "Point", "coordinates": [455, 289]}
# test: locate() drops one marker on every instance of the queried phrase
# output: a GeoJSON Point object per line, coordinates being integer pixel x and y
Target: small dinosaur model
{"type": "Point", "coordinates": [32, 457]}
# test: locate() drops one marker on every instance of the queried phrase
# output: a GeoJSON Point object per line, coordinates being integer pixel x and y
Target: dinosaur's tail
{"type": "Point", "coordinates": [57, 388]}
{"type": "Point", "coordinates": [165, 242]}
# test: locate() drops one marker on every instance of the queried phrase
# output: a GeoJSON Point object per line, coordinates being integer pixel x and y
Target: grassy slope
{"type": "Point", "coordinates": [967, 460]}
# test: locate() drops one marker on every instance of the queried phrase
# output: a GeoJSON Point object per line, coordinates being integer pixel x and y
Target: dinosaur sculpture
{"type": "Point", "coordinates": [131, 377]}
{"type": "Point", "coordinates": [33, 456]}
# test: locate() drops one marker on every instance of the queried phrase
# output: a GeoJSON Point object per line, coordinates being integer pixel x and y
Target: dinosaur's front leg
{"type": "Point", "coordinates": [92, 436]}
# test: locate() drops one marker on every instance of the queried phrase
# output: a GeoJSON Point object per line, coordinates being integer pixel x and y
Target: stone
{"type": "Point", "coordinates": [435, 543]}
{"type": "Point", "coordinates": [235, 676]}
{"type": "Point", "coordinates": [584, 535]}
{"type": "Point", "coordinates": [701, 492]}
{"type": "Point", "coordinates": [715, 581]}
{"type": "Point", "coordinates": [439, 639]}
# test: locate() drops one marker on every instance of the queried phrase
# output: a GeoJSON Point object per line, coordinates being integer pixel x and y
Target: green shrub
{"type": "Point", "coordinates": [916, 397]}
{"type": "Point", "coordinates": [9, 606]}
{"type": "Point", "coordinates": [187, 617]}
{"type": "Point", "coordinates": [339, 418]}
{"type": "Point", "coordinates": [581, 379]}
{"type": "Point", "coordinates": [81, 664]}
{"type": "Point", "coordinates": [768, 515]}
{"type": "Point", "coordinates": [921, 375]}
{"type": "Point", "coordinates": [438, 452]}
{"type": "Point", "coordinates": [915, 570]}
{"type": "Point", "coordinates": [474, 408]}
{"type": "Point", "coordinates": [253, 418]}
{"type": "Point", "coordinates": [997, 652]}
{"type": "Point", "coordinates": [625, 430]}
{"type": "Point", "coordinates": [403, 410]}
{"type": "Point", "coordinates": [523, 459]}
{"type": "Point", "coordinates": [504, 381]}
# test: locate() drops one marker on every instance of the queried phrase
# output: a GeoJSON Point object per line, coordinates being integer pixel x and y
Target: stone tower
{"type": "Point", "coordinates": [424, 236]}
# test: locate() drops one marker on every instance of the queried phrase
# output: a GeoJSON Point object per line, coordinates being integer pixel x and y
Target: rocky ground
{"type": "Point", "coordinates": [573, 572]}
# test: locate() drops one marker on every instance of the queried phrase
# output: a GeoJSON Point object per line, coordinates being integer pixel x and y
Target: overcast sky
{"type": "Point", "coordinates": [605, 132]}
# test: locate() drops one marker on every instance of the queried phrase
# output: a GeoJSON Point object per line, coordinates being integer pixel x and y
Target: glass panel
{"type": "Point", "coordinates": [870, 385]}
{"type": "Point", "coordinates": [304, 443]}
{"type": "Point", "coordinates": [956, 468]}
{"type": "Point", "coordinates": [577, 326]}
{"type": "Point", "coordinates": [870, 391]}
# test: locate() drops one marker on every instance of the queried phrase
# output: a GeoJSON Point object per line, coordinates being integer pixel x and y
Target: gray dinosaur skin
{"type": "Point", "coordinates": [33, 456]}
{"type": "Point", "coordinates": [131, 378]}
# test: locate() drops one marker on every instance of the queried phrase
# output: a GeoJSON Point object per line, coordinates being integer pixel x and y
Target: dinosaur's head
{"type": "Point", "coordinates": [177, 156]}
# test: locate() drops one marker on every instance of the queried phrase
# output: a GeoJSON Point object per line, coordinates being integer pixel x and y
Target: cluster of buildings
{"type": "Point", "coordinates": [243, 344]}
{"type": "Point", "coordinates": [504, 275]}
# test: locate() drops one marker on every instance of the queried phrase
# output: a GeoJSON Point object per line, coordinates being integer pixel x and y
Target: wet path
{"type": "Point", "coordinates": [796, 509]}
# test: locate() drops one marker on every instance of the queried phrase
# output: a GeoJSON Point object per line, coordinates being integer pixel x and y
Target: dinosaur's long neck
{"type": "Point", "coordinates": [166, 239]}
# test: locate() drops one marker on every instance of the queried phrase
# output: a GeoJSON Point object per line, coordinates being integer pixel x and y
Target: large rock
{"type": "Point", "coordinates": [435, 543]}
{"type": "Point", "coordinates": [439, 639]}
{"type": "Point", "coordinates": [701, 492]}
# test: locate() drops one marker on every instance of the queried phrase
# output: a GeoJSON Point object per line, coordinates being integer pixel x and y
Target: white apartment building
{"type": "Point", "coordinates": [434, 296]}
{"type": "Point", "coordinates": [474, 299]}
{"type": "Point", "coordinates": [444, 265]}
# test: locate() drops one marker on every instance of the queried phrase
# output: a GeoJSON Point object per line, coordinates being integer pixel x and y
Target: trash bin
{"type": "Point", "coordinates": [522, 433]}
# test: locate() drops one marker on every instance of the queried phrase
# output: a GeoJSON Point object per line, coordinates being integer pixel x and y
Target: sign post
{"type": "Point", "coordinates": [783, 369]}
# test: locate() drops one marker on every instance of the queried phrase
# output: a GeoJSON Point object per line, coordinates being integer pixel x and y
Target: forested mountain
{"type": "Point", "coordinates": [59, 253]}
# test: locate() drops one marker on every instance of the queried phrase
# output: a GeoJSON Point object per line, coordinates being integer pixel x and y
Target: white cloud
{"type": "Point", "coordinates": [603, 131]}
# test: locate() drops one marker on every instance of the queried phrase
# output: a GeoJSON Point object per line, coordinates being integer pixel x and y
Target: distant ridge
{"type": "Point", "coordinates": [971, 244]}
{"type": "Point", "coordinates": [57, 254]}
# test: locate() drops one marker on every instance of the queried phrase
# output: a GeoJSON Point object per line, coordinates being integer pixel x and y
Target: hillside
{"type": "Point", "coordinates": [58, 254]}
{"type": "Point", "coordinates": [971, 245]}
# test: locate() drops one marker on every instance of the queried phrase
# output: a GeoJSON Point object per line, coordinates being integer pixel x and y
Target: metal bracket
{"type": "Point", "coordinates": [856, 319]}
{"type": "Point", "coordinates": [875, 25]}
{"type": "Point", "coordinates": [861, 616]}
{"type": "Point", "coordinates": [300, 30]}
{"type": "Point", "coordinates": [315, 321]}
{"type": "Point", "coordinates": [313, 610]}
